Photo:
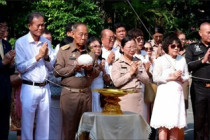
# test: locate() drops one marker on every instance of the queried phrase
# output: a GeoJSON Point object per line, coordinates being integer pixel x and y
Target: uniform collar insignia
{"type": "Point", "coordinates": [197, 48]}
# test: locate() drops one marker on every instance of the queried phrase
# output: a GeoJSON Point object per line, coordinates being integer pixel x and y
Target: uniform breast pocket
{"type": "Point", "coordinates": [123, 71]}
{"type": "Point", "coordinates": [71, 62]}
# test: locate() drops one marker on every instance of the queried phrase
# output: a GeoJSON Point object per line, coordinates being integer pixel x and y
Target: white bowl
{"type": "Point", "coordinates": [85, 59]}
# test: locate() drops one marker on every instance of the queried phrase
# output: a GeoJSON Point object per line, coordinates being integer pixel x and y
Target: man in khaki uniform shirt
{"type": "Point", "coordinates": [76, 95]}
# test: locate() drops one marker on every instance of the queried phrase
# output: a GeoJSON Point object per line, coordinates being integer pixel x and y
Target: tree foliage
{"type": "Point", "coordinates": [58, 13]}
{"type": "Point", "coordinates": [99, 14]}
{"type": "Point", "coordinates": [171, 14]}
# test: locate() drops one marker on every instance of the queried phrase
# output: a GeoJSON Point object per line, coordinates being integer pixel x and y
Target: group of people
{"type": "Point", "coordinates": [57, 85]}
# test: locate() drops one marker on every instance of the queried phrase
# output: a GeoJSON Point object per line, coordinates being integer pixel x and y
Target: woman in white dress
{"type": "Point", "coordinates": [170, 71]}
{"type": "Point", "coordinates": [94, 45]}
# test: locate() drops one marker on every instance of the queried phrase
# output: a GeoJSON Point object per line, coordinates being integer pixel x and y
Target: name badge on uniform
{"type": "Point", "coordinates": [72, 58]}
{"type": "Point", "coordinates": [124, 67]}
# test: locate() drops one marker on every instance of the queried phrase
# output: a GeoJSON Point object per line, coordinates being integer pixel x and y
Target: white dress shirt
{"type": "Point", "coordinates": [26, 51]}
{"type": "Point", "coordinates": [105, 54]}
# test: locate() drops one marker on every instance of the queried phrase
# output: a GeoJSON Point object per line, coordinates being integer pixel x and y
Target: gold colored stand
{"type": "Point", "coordinates": [112, 100]}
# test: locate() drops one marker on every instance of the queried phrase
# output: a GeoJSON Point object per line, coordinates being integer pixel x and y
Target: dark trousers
{"type": "Point", "coordinates": [4, 118]}
{"type": "Point", "coordinates": [73, 105]}
{"type": "Point", "coordinates": [200, 96]}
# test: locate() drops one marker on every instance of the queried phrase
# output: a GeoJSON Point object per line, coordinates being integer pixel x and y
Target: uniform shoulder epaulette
{"type": "Point", "coordinates": [116, 60]}
{"type": "Point", "coordinates": [65, 47]}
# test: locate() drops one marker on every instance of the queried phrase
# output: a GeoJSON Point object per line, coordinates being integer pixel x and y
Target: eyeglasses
{"type": "Point", "coordinates": [139, 39]}
{"type": "Point", "coordinates": [173, 46]}
{"type": "Point", "coordinates": [148, 49]}
{"type": "Point", "coordinates": [131, 48]}
{"type": "Point", "coordinates": [111, 38]}
{"type": "Point", "coordinates": [95, 46]}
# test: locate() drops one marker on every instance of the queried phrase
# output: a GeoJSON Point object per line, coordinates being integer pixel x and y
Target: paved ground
{"type": "Point", "coordinates": [188, 131]}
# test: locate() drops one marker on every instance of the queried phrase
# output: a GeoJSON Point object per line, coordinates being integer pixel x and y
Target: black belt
{"type": "Point", "coordinates": [34, 84]}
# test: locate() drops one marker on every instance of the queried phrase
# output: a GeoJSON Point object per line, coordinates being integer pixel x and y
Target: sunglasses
{"type": "Point", "coordinates": [173, 46]}
{"type": "Point", "coordinates": [148, 49]}
{"type": "Point", "coordinates": [139, 39]}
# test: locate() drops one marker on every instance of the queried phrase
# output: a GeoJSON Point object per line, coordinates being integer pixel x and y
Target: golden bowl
{"type": "Point", "coordinates": [112, 106]}
{"type": "Point", "coordinates": [114, 92]}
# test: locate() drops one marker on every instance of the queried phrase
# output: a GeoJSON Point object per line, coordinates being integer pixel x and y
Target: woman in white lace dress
{"type": "Point", "coordinates": [170, 71]}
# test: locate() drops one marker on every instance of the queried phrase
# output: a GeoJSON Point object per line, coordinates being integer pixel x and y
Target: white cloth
{"type": "Point", "coordinates": [1, 50]}
{"type": "Point", "coordinates": [128, 126]}
{"type": "Point", "coordinates": [35, 99]}
{"type": "Point", "coordinates": [141, 56]}
{"type": "Point", "coordinates": [56, 132]}
{"type": "Point", "coordinates": [97, 83]}
{"type": "Point", "coordinates": [169, 108]}
{"type": "Point", "coordinates": [105, 54]}
{"type": "Point", "coordinates": [26, 50]}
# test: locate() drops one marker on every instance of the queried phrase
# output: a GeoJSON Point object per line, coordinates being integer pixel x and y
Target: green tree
{"type": "Point", "coordinates": [58, 13]}
{"type": "Point", "coordinates": [171, 14]}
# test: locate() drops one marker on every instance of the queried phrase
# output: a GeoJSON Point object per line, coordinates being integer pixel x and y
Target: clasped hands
{"type": "Point", "coordinates": [134, 67]}
{"type": "Point", "coordinates": [43, 52]}
{"type": "Point", "coordinates": [177, 76]}
{"type": "Point", "coordinates": [9, 58]}
{"type": "Point", "coordinates": [206, 57]}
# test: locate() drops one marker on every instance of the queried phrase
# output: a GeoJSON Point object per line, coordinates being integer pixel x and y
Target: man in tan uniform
{"type": "Point", "coordinates": [76, 79]}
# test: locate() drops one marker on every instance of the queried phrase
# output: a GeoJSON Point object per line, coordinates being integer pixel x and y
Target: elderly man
{"type": "Point", "coordinates": [109, 53]}
{"type": "Point", "coordinates": [34, 58]}
{"type": "Point", "coordinates": [76, 80]}
{"type": "Point", "coordinates": [198, 58]}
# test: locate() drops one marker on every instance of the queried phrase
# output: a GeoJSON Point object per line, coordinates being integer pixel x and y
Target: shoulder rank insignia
{"type": "Point", "coordinates": [65, 47]}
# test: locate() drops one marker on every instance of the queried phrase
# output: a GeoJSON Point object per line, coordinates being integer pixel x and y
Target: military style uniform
{"type": "Point", "coordinates": [200, 88]}
{"type": "Point", "coordinates": [123, 80]}
{"type": "Point", "coordinates": [76, 95]}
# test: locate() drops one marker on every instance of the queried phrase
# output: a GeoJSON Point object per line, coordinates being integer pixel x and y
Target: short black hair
{"type": "Point", "coordinates": [34, 15]}
{"type": "Point", "coordinates": [3, 19]}
{"type": "Point", "coordinates": [124, 41]}
{"type": "Point", "coordinates": [75, 25]}
{"type": "Point", "coordinates": [169, 40]}
{"type": "Point", "coordinates": [66, 40]}
{"type": "Point", "coordinates": [69, 27]}
{"type": "Point", "coordinates": [157, 29]}
{"type": "Point", "coordinates": [135, 32]}
{"type": "Point", "coordinates": [118, 25]}
{"type": "Point", "coordinates": [90, 40]}
{"type": "Point", "coordinates": [46, 31]}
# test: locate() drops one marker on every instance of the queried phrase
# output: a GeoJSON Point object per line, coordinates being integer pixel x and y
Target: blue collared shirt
{"type": "Point", "coordinates": [26, 51]}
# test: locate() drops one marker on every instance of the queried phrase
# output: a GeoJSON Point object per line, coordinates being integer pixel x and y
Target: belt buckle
{"type": "Point", "coordinates": [207, 85]}
{"type": "Point", "coordinates": [82, 90]}
{"type": "Point", "coordinates": [42, 84]}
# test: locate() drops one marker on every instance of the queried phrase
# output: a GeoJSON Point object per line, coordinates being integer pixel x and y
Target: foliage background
{"type": "Point", "coordinates": [184, 15]}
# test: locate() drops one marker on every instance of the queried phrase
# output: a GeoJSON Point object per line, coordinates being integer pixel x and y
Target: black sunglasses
{"type": "Point", "coordinates": [147, 49]}
{"type": "Point", "coordinates": [173, 46]}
